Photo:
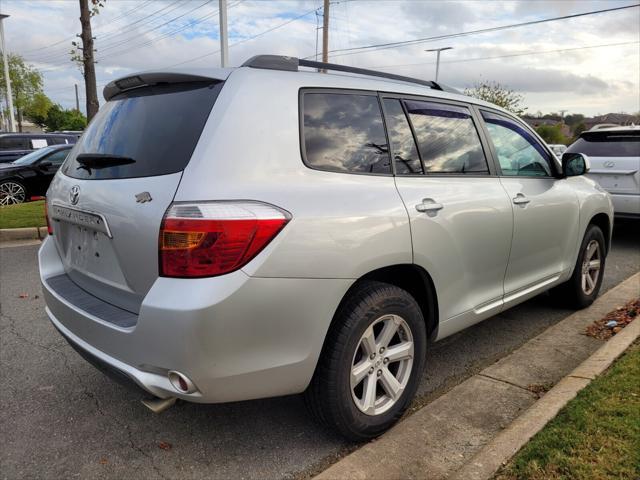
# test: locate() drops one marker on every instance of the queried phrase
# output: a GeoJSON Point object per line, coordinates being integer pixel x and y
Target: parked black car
{"type": "Point", "coordinates": [16, 145]}
{"type": "Point", "coordinates": [30, 175]}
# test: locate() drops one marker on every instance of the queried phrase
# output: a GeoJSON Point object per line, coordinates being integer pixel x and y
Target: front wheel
{"type": "Point", "coordinates": [584, 285]}
{"type": "Point", "coordinates": [371, 364]}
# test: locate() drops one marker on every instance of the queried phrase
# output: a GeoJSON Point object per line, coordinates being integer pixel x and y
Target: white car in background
{"type": "Point", "coordinates": [558, 149]}
{"type": "Point", "coordinates": [614, 153]}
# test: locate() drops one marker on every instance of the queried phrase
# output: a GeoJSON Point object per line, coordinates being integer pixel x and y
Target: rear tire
{"type": "Point", "coordinates": [371, 363]}
{"type": "Point", "coordinates": [584, 285]}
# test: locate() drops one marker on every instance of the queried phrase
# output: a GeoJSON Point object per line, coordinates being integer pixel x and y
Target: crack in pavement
{"type": "Point", "coordinates": [507, 382]}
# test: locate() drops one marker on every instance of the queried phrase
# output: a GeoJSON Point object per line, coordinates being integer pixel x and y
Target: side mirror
{"type": "Point", "coordinates": [44, 164]}
{"type": "Point", "coordinates": [574, 164]}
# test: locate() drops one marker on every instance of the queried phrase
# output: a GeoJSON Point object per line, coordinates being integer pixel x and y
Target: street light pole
{"type": "Point", "coordinates": [7, 79]}
{"type": "Point", "coordinates": [224, 41]}
{"type": "Point", "coordinates": [438, 50]}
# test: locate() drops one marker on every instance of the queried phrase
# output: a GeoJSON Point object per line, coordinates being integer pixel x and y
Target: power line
{"type": "Point", "coordinates": [167, 34]}
{"type": "Point", "coordinates": [72, 37]}
{"type": "Point", "coordinates": [61, 56]}
{"type": "Point", "coordinates": [48, 56]}
{"type": "Point", "coordinates": [519, 54]}
{"type": "Point", "coordinates": [246, 39]}
{"type": "Point", "coordinates": [383, 46]}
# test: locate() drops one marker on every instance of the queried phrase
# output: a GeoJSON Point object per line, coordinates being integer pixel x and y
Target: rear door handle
{"type": "Point", "coordinates": [520, 199]}
{"type": "Point", "coordinates": [429, 205]}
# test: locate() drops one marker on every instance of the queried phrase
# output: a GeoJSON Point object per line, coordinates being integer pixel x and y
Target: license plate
{"type": "Point", "coordinates": [91, 220]}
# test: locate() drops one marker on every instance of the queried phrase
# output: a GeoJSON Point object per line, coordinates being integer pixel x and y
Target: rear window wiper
{"type": "Point", "coordinates": [102, 160]}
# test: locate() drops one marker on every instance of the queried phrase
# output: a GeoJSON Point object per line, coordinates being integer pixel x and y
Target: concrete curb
{"type": "Point", "coordinates": [29, 233]}
{"type": "Point", "coordinates": [498, 452]}
{"type": "Point", "coordinates": [447, 436]}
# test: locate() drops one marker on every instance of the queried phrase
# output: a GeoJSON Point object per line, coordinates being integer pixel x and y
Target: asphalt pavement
{"type": "Point", "coordinates": [60, 418]}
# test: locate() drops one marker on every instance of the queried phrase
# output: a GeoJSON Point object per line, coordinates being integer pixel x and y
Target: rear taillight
{"type": "Point", "coordinates": [46, 215]}
{"type": "Point", "coordinates": [208, 239]}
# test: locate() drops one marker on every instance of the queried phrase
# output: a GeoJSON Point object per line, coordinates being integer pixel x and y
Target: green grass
{"type": "Point", "coordinates": [30, 214]}
{"type": "Point", "coordinates": [596, 435]}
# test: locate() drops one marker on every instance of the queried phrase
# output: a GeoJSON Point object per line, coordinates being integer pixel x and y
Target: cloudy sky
{"type": "Point", "coordinates": [589, 64]}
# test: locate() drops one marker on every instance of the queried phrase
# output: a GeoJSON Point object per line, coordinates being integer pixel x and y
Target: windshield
{"type": "Point", "coordinates": [31, 158]}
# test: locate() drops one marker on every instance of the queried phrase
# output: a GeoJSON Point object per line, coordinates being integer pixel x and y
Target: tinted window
{"type": "Point", "coordinates": [608, 144]}
{"type": "Point", "coordinates": [403, 146]}
{"type": "Point", "coordinates": [157, 126]}
{"type": "Point", "coordinates": [58, 157]}
{"type": "Point", "coordinates": [345, 133]}
{"type": "Point", "coordinates": [57, 140]}
{"type": "Point", "coordinates": [14, 143]}
{"type": "Point", "coordinates": [447, 138]}
{"type": "Point", "coordinates": [519, 153]}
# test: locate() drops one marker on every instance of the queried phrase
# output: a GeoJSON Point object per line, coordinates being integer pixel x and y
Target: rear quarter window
{"type": "Point", "coordinates": [344, 132]}
{"type": "Point", "coordinates": [14, 143]}
{"type": "Point", "coordinates": [607, 144]}
{"type": "Point", "coordinates": [158, 127]}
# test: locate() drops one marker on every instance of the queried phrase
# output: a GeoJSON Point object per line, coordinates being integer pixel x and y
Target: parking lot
{"type": "Point", "coordinates": [63, 419]}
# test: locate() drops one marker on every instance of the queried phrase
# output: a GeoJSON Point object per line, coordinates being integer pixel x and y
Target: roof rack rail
{"type": "Point", "coordinates": [291, 64]}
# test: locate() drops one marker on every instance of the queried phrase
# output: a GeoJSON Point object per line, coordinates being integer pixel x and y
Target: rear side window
{"type": "Point", "coordinates": [14, 143]}
{"type": "Point", "coordinates": [447, 138]}
{"type": "Point", "coordinates": [403, 146]}
{"type": "Point", "coordinates": [157, 127]}
{"type": "Point", "coordinates": [608, 144]}
{"type": "Point", "coordinates": [57, 140]}
{"type": "Point", "coordinates": [344, 133]}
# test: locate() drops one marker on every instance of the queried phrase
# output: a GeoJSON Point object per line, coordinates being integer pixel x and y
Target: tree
{"type": "Point", "coordinates": [84, 55]}
{"type": "Point", "coordinates": [38, 108]}
{"type": "Point", "coordinates": [499, 95]}
{"type": "Point", "coordinates": [578, 129]}
{"type": "Point", "coordinates": [574, 119]}
{"type": "Point", "coordinates": [26, 83]}
{"type": "Point", "coordinates": [552, 134]}
{"type": "Point", "coordinates": [59, 118]}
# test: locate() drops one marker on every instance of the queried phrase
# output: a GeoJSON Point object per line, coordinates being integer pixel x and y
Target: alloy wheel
{"type": "Point", "coordinates": [11, 193]}
{"type": "Point", "coordinates": [382, 365]}
{"type": "Point", "coordinates": [591, 267]}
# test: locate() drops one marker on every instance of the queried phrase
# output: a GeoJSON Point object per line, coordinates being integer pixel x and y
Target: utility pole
{"type": "Point", "coordinates": [7, 79]}
{"type": "Point", "coordinates": [77, 99]}
{"type": "Point", "coordinates": [89, 67]}
{"type": "Point", "coordinates": [438, 50]}
{"type": "Point", "coordinates": [224, 40]}
{"type": "Point", "coordinates": [325, 32]}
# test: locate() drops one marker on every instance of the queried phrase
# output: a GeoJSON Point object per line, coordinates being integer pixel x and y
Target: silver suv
{"type": "Point", "coordinates": [234, 234]}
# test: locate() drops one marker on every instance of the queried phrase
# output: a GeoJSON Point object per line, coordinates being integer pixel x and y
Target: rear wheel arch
{"type": "Point", "coordinates": [411, 278]}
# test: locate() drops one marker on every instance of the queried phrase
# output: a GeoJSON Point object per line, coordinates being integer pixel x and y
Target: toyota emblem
{"type": "Point", "coordinates": [74, 194]}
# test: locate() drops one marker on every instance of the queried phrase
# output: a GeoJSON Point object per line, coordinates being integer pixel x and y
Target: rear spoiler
{"type": "Point", "coordinates": [148, 79]}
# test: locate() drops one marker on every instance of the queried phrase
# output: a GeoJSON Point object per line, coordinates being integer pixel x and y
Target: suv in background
{"type": "Point", "coordinates": [558, 149]}
{"type": "Point", "coordinates": [229, 234]}
{"type": "Point", "coordinates": [15, 145]}
{"type": "Point", "coordinates": [614, 153]}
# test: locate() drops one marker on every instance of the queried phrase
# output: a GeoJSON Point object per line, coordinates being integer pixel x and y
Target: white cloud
{"type": "Point", "coordinates": [590, 81]}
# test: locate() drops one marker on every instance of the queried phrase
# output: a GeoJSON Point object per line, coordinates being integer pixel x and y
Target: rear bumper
{"type": "Point", "coordinates": [626, 205]}
{"type": "Point", "coordinates": [236, 337]}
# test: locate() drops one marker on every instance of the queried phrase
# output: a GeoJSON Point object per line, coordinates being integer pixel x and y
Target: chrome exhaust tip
{"type": "Point", "coordinates": [181, 382]}
{"type": "Point", "coordinates": [159, 405]}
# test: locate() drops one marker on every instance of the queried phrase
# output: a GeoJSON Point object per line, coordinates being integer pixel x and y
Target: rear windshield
{"type": "Point", "coordinates": [608, 144]}
{"type": "Point", "coordinates": [157, 127]}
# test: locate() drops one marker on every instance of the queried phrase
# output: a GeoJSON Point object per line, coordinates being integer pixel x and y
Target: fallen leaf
{"type": "Point", "coordinates": [24, 295]}
{"type": "Point", "coordinates": [164, 445]}
{"type": "Point", "coordinates": [103, 461]}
